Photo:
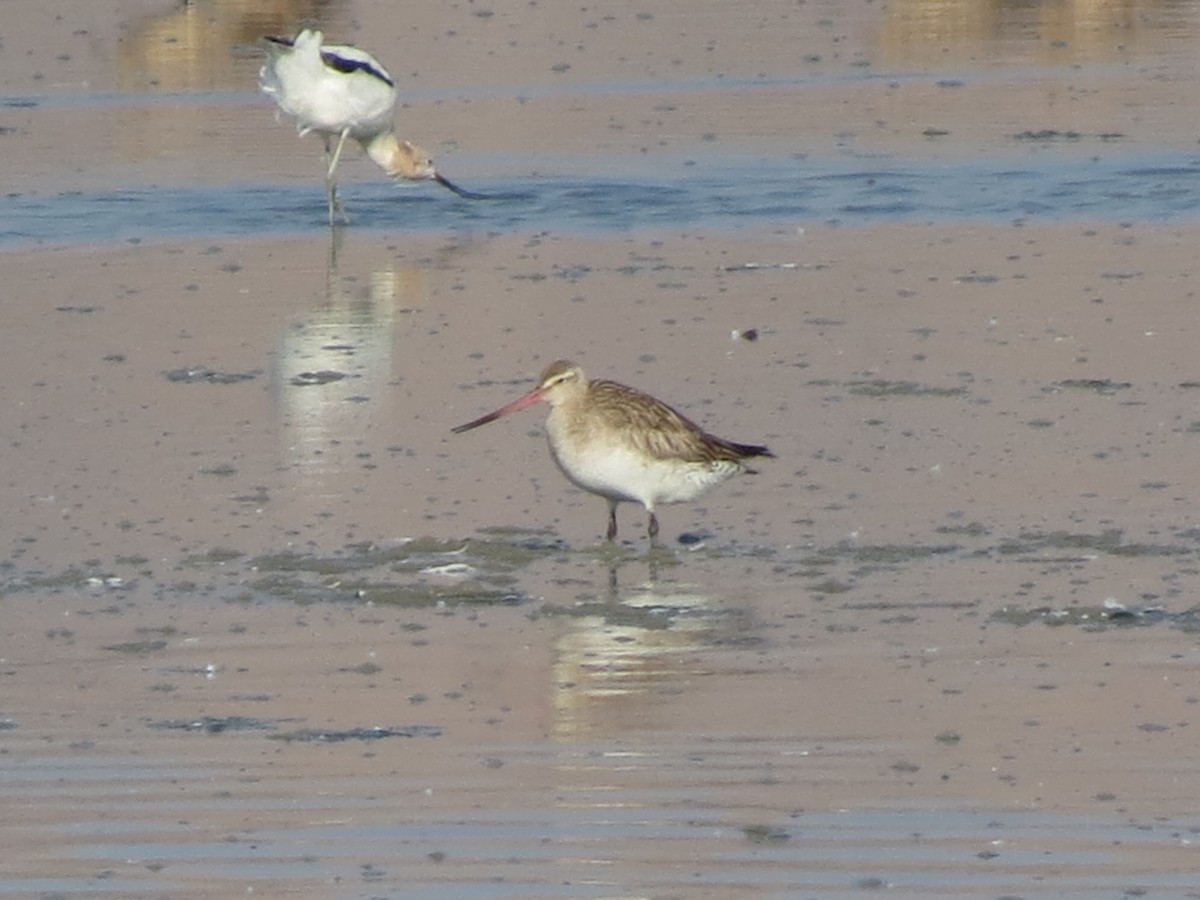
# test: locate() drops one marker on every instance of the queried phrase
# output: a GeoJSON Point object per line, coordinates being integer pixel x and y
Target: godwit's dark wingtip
{"type": "Point", "coordinates": [748, 451]}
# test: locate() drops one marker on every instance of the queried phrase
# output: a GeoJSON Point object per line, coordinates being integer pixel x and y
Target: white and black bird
{"type": "Point", "coordinates": [342, 92]}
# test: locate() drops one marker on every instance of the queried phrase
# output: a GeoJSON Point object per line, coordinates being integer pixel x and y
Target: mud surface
{"type": "Point", "coordinates": [269, 628]}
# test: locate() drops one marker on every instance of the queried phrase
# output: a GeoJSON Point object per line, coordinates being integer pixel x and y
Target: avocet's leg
{"type": "Point", "coordinates": [653, 527]}
{"type": "Point", "coordinates": [331, 158]}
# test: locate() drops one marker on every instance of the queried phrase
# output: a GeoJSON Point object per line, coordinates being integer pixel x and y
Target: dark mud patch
{"type": "Point", "coordinates": [91, 574]}
{"type": "Point", "coordinates": [137, 648]}
{"type": "Point", "coordinates": [216, 556]}
{"type": "Point", "coordinates": [1034, 544]}
{"type": "Point", "coordinates": [654, 616]}
{"type": "Point", "coordinates": [376, 733]}
{"type": "Point", "coordinates": [881, 388]}
{"type": "Point", "coordinates": [418, 573]}
{"type": "Point", "coordinates": [205, 375]}
{"type": "Point", "coordinates": [324, 376]}
{"type": "Point", "coordinates": [214, 724]}
{"type": "Point", "coordinates": [885, 555]}
{"type": "Point", "coordinates": [1052, 563]}
{"type": "Point", "coordinates": [1104, 386]}
{"type": "Point", "coordinates": [422, 572]}
{"type": "Point", "coordinates": [860, 560]}
{"type": "Point", "coordinates": [766, 835]}
{"type": "Point", "coordinates": [1099, 617]}
{"type": "Point", "coordinates": [1054, 576]}
{"type": "Point", "coordinates": [1054, 136]}
{"type": "Point", "coordinates": [229, 724]}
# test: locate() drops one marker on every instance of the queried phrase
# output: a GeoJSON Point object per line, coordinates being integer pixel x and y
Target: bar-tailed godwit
{"type": "Point", "coordinates": [624, 445]}
{"type": "Point", "coordinates": [343, 92]}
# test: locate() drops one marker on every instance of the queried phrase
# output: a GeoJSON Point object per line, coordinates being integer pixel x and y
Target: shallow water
{"type": "Point", "coordinates": [1040, 186]}
{"type": "Point", "coordinates": [668, 837]}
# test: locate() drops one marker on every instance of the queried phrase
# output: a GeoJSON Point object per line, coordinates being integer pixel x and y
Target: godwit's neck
{"type": "Point", "coordinates": [572, 396]}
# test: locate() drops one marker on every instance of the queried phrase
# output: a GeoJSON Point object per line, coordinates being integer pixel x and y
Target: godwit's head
{"type": "Point", "coordinates": [560, 382]}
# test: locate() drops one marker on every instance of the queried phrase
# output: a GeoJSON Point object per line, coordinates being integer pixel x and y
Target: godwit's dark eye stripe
{"type": "Point", "coordinates": [346, 66]}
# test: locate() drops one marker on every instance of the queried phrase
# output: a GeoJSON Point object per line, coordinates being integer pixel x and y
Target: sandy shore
{"type": "Point", "coordinates": [270, 628]}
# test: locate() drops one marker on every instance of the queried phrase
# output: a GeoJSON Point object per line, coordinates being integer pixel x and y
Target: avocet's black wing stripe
{"type": "Point", "coordinates": [347, 66]}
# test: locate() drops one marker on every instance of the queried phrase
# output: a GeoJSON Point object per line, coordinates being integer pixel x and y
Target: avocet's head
{"type": "Point", "coordinates": [404, 159]}
{"type": "Point", "coordinates": [400, 159]}
{"type": "Point", "coordinates": [412, 162]}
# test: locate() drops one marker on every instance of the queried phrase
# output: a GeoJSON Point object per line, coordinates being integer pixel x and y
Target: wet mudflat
{"type": "Point", "coordinates": [271, 626]}
{"type": "Point", "coordinates": [636, 727]}
{"type": "Point", "coordinates": [652, 725]}
{"type": "Point", "coordinates": [270, 629]}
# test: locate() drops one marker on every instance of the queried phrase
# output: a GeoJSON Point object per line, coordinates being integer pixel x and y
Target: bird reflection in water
{"type": "Point", "coordinates": [628, 649]}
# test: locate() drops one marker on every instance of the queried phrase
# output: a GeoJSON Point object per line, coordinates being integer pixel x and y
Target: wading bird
{"type": "Point", "coordinates": [624, 445]}
{"type": "Point", "coordinates": [342, 92]}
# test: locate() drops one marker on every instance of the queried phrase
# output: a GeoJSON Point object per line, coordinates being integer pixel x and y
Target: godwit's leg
{"type": "Point", "coordinates": [612, 521]}
{"type": "Point", "coordinates": [331, 158]}
{"type": "Point", "coordinates": [653, 528]}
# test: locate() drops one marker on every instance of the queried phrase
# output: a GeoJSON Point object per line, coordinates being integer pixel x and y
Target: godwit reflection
{"type": "Point", "coordinates": [622, 655]}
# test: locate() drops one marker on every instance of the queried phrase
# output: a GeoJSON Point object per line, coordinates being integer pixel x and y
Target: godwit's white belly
{"type": "Point", "coordinates": [622, 473]}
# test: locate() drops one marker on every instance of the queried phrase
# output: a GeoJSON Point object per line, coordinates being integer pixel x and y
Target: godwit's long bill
{"type": "Point", "coordinates": [624, 445]}
{"type": "Point", "coordinates": [342, 92]}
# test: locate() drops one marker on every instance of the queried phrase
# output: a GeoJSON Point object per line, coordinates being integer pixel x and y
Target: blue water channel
{"type": "Point", "coordinates": [715, 195]}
